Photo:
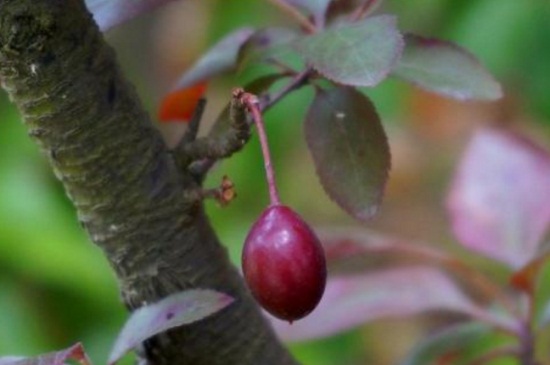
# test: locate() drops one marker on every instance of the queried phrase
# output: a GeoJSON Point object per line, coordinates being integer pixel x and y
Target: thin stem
{"type": "Point", "coordinates": [477, 279]}
{"type": "Point", "coordinates": [296, 14]}
{"type": "Point", "coordinates": [297, 81]}
{"type": "Point", "coordinates": [365, 9]}
{"type": "Point", "coordinates": [527, 345]}
{"type": "Point", "coordinates": [253, 105]}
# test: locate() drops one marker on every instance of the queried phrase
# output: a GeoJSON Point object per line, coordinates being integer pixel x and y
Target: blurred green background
{"type": "Point", "coordinates": [55, 286]}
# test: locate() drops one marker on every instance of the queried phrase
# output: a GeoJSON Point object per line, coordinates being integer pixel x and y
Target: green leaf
{"type": "Point", "coordinates": [173, 311]}
{"type": "Point", "coordinates": [357, 54]}
{"type": "Point", "coordinates": [445, 342]}
{"type": "Point", "coordinates": [445, 68]}
{"type": "Point", "coordinates": [349, 148]}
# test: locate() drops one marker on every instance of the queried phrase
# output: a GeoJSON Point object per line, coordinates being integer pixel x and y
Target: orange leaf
{"type": "Point", "coordinates": [179, 105]}
{"type": "Point", "coordinates": [525, 278]}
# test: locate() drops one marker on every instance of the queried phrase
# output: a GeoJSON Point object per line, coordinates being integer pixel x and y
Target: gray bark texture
{"type": "Point", "coordinates": [128, 192]}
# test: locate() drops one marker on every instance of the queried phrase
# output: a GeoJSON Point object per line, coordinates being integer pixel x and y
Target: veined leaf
{"type": "Point", "coordinates": [445, 68]}
{"type": "Point", "coordinates": [357, 54]}
{"type": "Point", "coordinates": [349, 148]}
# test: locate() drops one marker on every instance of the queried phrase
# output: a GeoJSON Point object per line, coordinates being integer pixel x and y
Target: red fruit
{"type": "Point", "coordinates": [284, 264]}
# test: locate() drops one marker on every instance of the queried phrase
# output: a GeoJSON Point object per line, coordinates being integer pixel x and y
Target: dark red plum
{"type": "Point", "coordinates": [284, 264]}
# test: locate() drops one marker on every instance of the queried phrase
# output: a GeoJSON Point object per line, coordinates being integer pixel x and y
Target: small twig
{"type": "Point", "coordinates": [526, 353]}
{"type": "Point", "coordinates": [224, 194]}
{"type": "Point", "coordinates": [296, 14]}
{"type": "Point", "coordinates": [363, 10]}
{"type": "Point", "coordinates": [194, 124]}
{"type": "Point", "coordinates": [295, 83]}
{"type": "Point", "coordinates": [253, 107]}
{"type": "Point", "coordinates": [477, 279]}
{"type": "Point", "coordinates": [212, 148]}
{"type": "Point", "coordinates": [506, 351]}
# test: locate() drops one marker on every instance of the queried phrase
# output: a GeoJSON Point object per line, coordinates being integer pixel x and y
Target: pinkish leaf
{"type": "Point", "coordinates": [349, 148]}
{"type": "Point", "coordinates": [499, 201]}
{"type": "Point", "coordinates": [267, 45]}
{"type": "Point", "coordinates": [350, 301]}
{"type": "Point", "coordinates": [110, 13]}
{"type": "Point", "coordinates": [351, 249]}
{"type": "Point", "coordinates": [445, 68]}
{"type": "Point", "coordinates": [220, 58]}
{"type": "Point", "coordinates": [356, 54]}
{"type": "Point", "coordinates": [173, 311]}
{"type": "Point", "coordinates": [75, 352]}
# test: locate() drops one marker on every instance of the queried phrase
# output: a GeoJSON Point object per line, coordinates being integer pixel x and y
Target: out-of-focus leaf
{"type": "Point", "coordinates": [349, 148]}
{"type": "Point", "coordinates": [445, 68]}
{"type": "Point", "coordinates": [545, 316]}
{"type": "Point", "coordinates": [219, 58]}
{"type": "Point", "coordinates": [267, 44]}
{"type": "Point", "coordinates": [75, 352]}
{"type": "Point", "coordinates": [358, 54]}
{"type": "Point", "coordinates": [179, 105]}
{"type": "Point", "coordinates": [317, 8]}
{"type": "Point", "coordinates": [173, 311]}
{"type": "Point", "coordinates": [445, 343]}
{"type": "Point", "coordinates": [351, 249]}
{"type": "Point", "coordinates": [499, 201]}
{"type": "Point", "coordinates": [526, 277]}
{"type": "Point", "coordinates": [8, 360]}
{"type": "Point", "coordinates": [109, 13]}
{"type": "Point", "coordinates": [350, 301]}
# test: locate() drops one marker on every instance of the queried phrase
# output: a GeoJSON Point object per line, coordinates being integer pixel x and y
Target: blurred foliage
{"type": "Point", "coordinates": [55, 286]}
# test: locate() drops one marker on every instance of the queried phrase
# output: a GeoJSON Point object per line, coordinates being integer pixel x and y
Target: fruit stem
{"type": "Point", "coordinates": [252, 103]}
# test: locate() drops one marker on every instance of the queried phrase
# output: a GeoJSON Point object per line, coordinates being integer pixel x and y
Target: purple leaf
{"type": "Point", "coordinates": [173, 311]}
{"type": "Point", "coordinates": [267, 44]}
{"type": "Point", "coordinates": [349, 148]}
{"type": "Point", "coordinates": [445, 68]}
{"type": "Point", "coordinates": [357, 54]}
{"type": "Point", "coordinates": [350, 249]}
{"type": "Point", "coordinates": [317, 8]}
{"type": "Point", "coordinates": [110, 13]}
{"type": "Point", "coordinates": [75, 352]}
{"type": "Point", "coordinates": [499, 201]}
{"type": "Point", "coordinates": [220, 58]}
{"type": "Point", "coordinates": [352, 300]}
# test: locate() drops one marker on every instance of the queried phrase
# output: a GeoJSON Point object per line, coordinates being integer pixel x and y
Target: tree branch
{"type": "Point", "coordinates": [129, 194]}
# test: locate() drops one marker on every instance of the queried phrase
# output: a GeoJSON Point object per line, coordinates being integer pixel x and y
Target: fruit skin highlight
{"type": "Point", "coordinates": [284, 264]}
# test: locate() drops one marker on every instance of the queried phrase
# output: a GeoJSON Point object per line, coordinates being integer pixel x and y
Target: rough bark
{"type": "Point", "coordinates": [124, 183]}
